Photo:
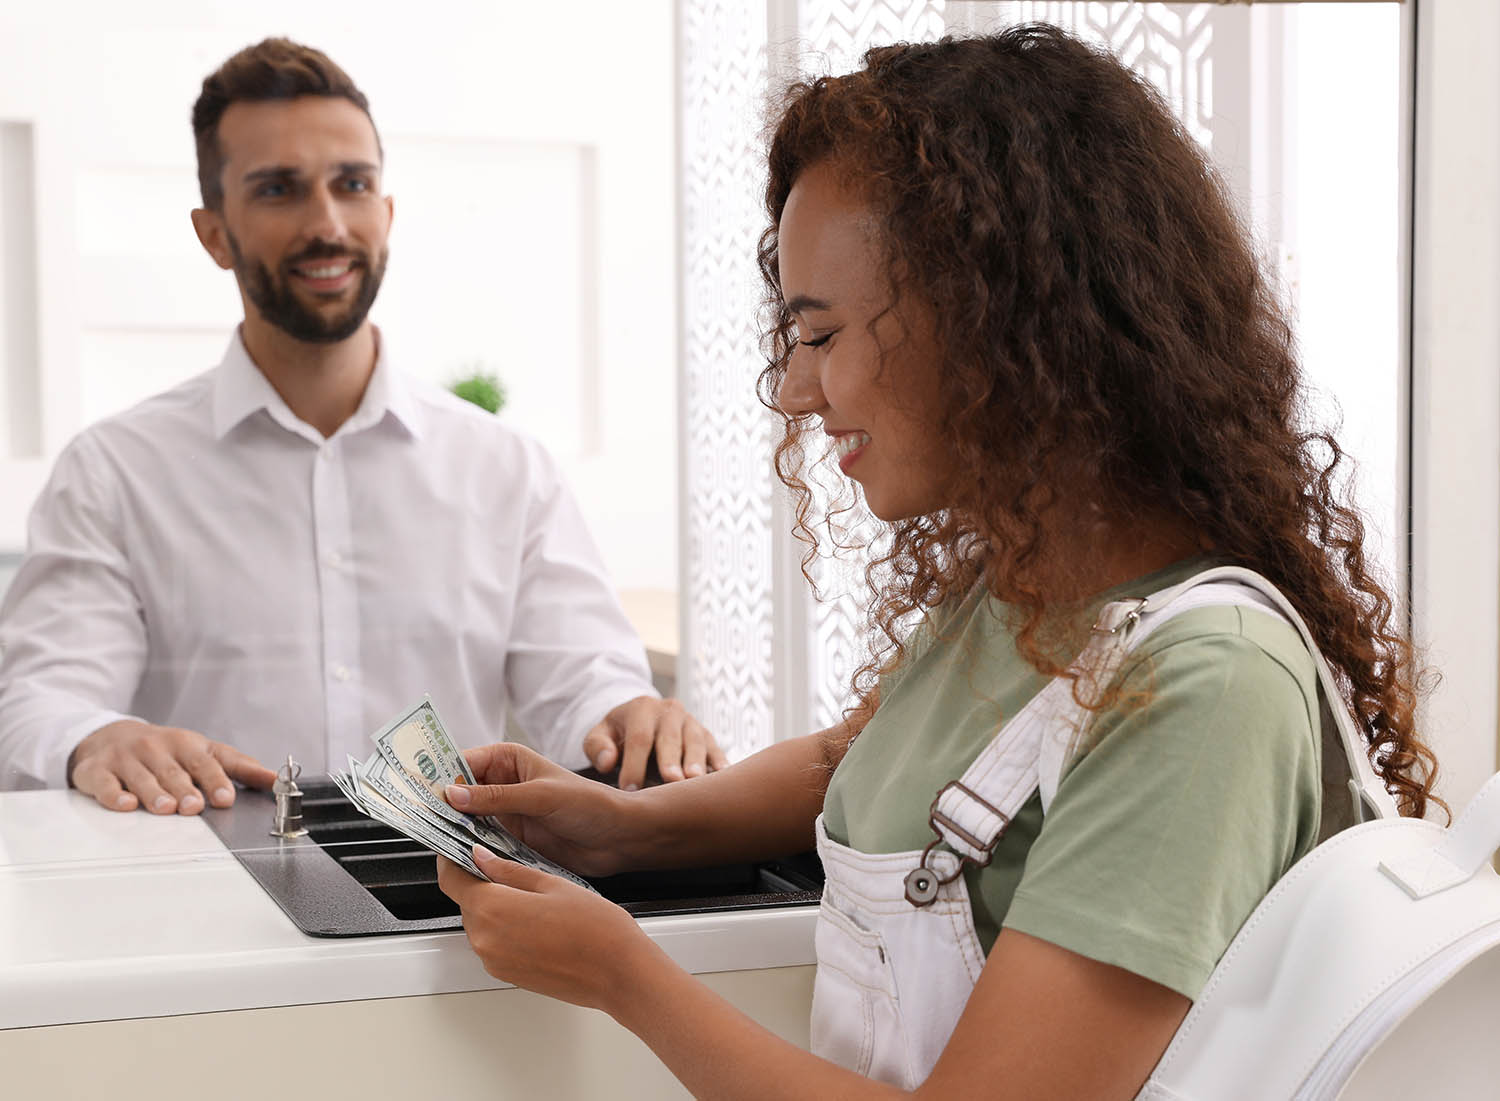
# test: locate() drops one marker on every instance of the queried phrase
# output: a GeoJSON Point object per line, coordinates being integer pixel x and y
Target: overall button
{"type": "Point", "coordinates": [921, 886]}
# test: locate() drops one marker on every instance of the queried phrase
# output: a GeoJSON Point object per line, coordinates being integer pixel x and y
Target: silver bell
{"type": "Point", "coordinates": [288, 822]}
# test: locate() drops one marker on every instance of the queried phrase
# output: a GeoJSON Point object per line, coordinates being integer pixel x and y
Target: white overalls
{"type": "Point", "coordinates": [897, 953]}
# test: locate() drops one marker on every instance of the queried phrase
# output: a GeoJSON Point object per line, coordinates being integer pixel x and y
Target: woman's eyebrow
{"type": "Point", "coordinates": [801, 302]}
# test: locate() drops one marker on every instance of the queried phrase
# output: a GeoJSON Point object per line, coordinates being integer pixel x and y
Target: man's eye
{"type": "Point", "coordinates": [270, 191]}
{"type": "Point", "coordinates": [357, 183]}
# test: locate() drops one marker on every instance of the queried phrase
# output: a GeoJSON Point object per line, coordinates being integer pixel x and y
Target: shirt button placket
{"type": "Point", "coordinates": [339, 603]}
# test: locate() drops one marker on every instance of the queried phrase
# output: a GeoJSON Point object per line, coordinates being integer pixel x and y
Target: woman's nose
{"type": "Point", "coordinates": [800, 392]}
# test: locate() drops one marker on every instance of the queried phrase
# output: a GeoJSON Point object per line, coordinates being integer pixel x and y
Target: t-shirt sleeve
{"type": "Point", "coordinates": [1183, 811]}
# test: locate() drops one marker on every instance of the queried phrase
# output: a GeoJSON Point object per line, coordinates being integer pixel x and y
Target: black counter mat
{"type": "Point", "coordinates": [392, 888]}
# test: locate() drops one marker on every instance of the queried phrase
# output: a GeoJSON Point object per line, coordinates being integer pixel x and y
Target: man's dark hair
{"type": "Point", "coordinates": [277, 68]}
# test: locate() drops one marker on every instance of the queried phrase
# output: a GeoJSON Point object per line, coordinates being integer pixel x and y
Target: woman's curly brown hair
{"type": "Point", "coordinates": [1100, 311]}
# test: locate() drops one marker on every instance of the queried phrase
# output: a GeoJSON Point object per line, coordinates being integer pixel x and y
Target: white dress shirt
{"type": "Point", "coordinates": [208, 560]}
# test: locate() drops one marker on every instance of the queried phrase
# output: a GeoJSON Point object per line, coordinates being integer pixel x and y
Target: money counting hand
{"type": "Point", "coordinates": [337, 870]}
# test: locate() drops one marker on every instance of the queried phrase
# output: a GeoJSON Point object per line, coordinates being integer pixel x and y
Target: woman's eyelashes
{"type": "Point", "coordinates": [817, 341]}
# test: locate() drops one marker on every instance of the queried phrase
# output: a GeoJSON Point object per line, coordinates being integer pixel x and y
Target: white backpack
{"type": "Point", "coordinates": [1353, 939]}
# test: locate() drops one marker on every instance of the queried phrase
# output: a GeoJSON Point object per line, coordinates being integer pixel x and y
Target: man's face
{"type": "Point", "coordinates": [304, 224]}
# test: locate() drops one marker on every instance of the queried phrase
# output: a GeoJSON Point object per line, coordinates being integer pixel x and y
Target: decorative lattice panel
{"type": "Point", "coordinates": [726, 483]}
{"type": "Point", "coordinates": [1169, 44]}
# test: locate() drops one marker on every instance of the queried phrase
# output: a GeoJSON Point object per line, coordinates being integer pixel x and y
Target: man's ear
{"type": "Point", "coordinates": [213, 235]}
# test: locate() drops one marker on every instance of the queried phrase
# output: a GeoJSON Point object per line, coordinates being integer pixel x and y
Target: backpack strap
{"type": "Point", "coordinates": [1466, 846]}
{"type": "Point", "coordinates": [1367, 791]}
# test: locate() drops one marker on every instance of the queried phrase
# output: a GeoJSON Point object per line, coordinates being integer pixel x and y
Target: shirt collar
{"type": "Point", "coordinates": [240, 390]}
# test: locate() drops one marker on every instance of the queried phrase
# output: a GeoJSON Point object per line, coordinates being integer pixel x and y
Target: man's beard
{"type": "Point", "coordinates": [279, 305]}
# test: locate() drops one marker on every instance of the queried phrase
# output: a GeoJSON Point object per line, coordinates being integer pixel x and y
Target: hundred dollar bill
{"type": "Point", "coordinates": [397, 813]}
{"type": "Point", "coordinates": [421, 753]}
{"type": "Point", "coordinates": [415, 761]}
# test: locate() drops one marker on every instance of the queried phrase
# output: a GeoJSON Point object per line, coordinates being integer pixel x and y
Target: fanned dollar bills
{"type": "Point", "coordinates": [401, 785]}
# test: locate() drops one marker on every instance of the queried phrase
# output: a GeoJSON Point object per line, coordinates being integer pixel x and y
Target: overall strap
{"type": "Point", "coordinates": [1030, 751]}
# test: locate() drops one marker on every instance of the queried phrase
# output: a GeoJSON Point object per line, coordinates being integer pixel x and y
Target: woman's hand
{"type": "Point", "coordinates": [543, 933]}
{"type": "Point", "coordinates": [582, 824]}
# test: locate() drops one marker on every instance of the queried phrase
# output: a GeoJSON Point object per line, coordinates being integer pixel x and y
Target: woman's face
{"type": "Point", "coordinates": [866, 369]}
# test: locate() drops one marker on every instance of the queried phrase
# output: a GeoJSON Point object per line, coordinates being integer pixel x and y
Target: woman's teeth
{"type": "Point", "coordinates": [851, 442]}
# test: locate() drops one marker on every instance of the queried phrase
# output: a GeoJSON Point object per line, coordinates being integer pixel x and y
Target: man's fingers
{"type": "Point", "coordinates": [104, 786]}
{"type": "Point", "coordinates": [639, 737]}
{"type": "Point", "coordinates": [142, 783]}
{"type": "Point", "coordinates": [717, 758]}
{"type": "Point", "coordinates": [242, 767]}
{"type": "Point", "coordinates": [208, 773]}
{"type": "Point", "coordinates": [695, 743]}
{"type": "Point", "coordinates": [172, 776]}
{"type": "Point", "coordinates": [600, 748]}
{"type": "Point", "coordinates": [669, 742]}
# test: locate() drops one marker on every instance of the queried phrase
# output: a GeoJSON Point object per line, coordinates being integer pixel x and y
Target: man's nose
{"type": "Point", "coordinates": [324, 219]}
{"type": "Point", "coordinates": [801, 392]}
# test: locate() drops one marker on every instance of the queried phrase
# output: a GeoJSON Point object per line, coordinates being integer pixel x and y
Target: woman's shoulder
{"type": "Point", "coordinates": [1227, 653]}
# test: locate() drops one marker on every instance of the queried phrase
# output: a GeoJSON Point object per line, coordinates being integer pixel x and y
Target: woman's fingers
{"type": "Point", "coordinates": [531, 799]}
{"type": "Point", "coordinates": [512, 873]}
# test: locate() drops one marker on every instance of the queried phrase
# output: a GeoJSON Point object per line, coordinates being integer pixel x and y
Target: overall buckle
{"type": "Point", "coordinates": [922, 882]}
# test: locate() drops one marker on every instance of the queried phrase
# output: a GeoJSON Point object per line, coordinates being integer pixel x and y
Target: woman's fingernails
{"type": "Point", "coordinates": [190, 804]}
{"type": "Point", "coordinates": [694, 770]}
{"type": "Point", "coordinates": [124, 800]}
{"type": "Point", "coordinates": [632, 787]}
{"type": "Point", "coordinates": [458, 795]}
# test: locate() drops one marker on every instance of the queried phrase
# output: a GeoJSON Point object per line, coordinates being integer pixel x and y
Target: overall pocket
{"type": "Point", "coordinates": [856, 1012]}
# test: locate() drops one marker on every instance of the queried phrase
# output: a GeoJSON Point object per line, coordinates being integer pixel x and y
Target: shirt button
{"type": "Point", "coordinates": [340, 672]}
{"type": "Point", "coordinates": [325, 452]}
{"type": "Point", "coordinates": [334, 559]}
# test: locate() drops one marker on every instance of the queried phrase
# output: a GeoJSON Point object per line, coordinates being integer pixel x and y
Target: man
{"type": "Point", "coordinates": [281, 554]}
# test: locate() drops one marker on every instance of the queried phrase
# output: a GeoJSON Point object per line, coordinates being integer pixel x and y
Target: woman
{"type": "Point", "coordinates": [1017, 301]}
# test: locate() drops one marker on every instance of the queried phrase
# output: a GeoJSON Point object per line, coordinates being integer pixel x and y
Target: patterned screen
{"type": "Point", "coordinates": [762, 658]}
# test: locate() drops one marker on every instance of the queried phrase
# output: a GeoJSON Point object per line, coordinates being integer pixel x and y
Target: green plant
{"type": "Point", "coordinates": [483, 388]}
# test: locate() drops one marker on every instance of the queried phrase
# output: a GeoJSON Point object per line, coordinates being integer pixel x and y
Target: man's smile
{"type": "Point", "coordinates": [325, 276]}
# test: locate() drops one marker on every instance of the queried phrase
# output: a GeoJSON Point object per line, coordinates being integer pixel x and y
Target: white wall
{"type": "Point", "coordinates": [530, 152]}
{"type": "Point", "coordinates": [1456, 380]}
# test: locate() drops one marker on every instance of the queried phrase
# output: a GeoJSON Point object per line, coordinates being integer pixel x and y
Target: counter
{"type": "Point", "coordinates": [138, 958]}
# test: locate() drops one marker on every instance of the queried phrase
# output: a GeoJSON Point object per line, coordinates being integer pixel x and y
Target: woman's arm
{"type": "Point", "coordinates": [1043, 1022]}
{"type": "Point", "coordinates": [762, 807]}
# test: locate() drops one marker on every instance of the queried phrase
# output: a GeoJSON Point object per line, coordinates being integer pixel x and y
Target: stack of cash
{"type": "Point", "coordinates": [401, 785]}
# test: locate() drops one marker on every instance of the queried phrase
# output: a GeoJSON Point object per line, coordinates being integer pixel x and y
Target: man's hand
{"type": "Point", "coordinates": [162, 768]}
{"type": "Point", "coordinates": [683, 747]}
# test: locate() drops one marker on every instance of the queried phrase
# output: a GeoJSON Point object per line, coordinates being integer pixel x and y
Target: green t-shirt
{"type": "Point", "coordinates": [1167, 829]}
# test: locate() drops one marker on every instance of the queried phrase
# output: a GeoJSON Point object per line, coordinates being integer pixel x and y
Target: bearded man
{"type": "Point", "coordinates": [279, 555]}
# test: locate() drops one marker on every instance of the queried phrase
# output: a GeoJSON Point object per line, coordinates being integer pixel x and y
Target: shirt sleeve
{"type": "Point", "coordinates": [1187, 806]}
{"type": "Point", "coordinates": [72, 638]}
{"type": "Point", "coordinates": [572, 655]}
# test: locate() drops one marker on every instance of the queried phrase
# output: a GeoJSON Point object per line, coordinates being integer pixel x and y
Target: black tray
{"type": "Point", "coordinates": [354, 877]}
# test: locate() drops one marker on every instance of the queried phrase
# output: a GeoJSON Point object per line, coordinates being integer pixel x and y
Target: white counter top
{"type": "Point", "coordinates": [107, 916]}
